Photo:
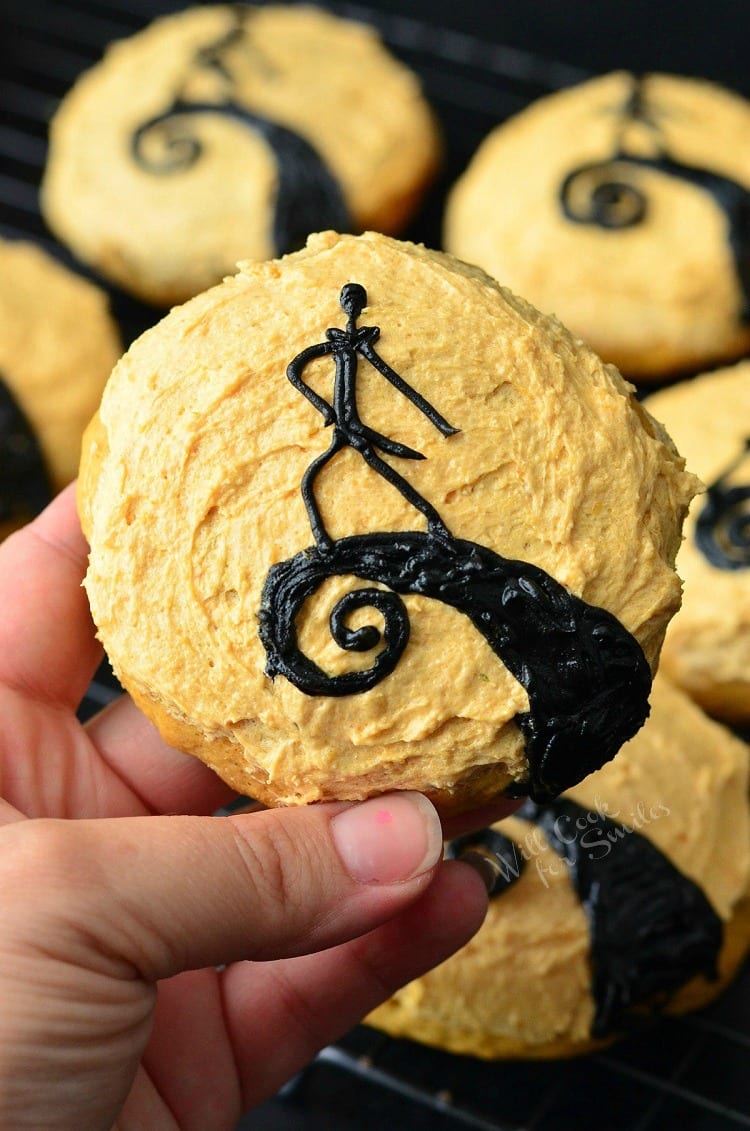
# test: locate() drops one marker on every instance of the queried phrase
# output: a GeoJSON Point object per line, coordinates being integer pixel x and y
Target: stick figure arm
{"type": "Point", "coordinates": [294, 373]}
{"type": "Point", "coordinates": [398, 382]}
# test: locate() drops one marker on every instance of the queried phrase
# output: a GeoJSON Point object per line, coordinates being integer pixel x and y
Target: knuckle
{"type": "Point", "coordinates": [51, 877]}
{"type": "Point", "coordinates": [41, 877]}
{"type": "Point", "coordinates": [265, 854]}
{"type": "Point", "coordinates": [276, 866]}
{"type": "Point", "coordinates": [37, 854]}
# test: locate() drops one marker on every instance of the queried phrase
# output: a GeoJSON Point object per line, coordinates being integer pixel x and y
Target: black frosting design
{"type": "Point", "coordinates": [24, 482]}
{"type": "Point", "coordinates": [722, 530]}
{"type": "Point", "coordinates": [308, 197]}
{"type": "Point", "coordinates": [506, 858]}
{"type": "Point", "coordinates": [652, 928]}
{"type": "Point", "coordinates": [348, 429]}
{"type": "Point", "coordinates": [599, 192]}
{"type": "Point", "coordinates": [587, 678]}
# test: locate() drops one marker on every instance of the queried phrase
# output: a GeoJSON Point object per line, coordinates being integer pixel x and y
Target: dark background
{"type": "Point", "coordinates": [709, 39]}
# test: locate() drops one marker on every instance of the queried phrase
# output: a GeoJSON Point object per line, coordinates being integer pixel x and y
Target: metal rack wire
{"type": "Point", "coordinates": [690, 1073]}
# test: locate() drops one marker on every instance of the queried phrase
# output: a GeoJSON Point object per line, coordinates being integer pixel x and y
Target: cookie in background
{"type": "Point", "coordinates": [231, 132]}
{"type": "Point", "coordinates": [622, 206]}
{"type": "Point", "coordinates": [707, 648]}
{"type": "Point", "coordinates": [58, 344]}
{"type": "Point", "coordinates": [626, 897]}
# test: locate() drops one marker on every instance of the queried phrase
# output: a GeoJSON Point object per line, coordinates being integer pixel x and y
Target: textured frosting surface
{"type": "Point", "coordinates": [58, 344]}
{"type": "Point", "coordinates": [652, 296]}
{"type": "Point", "coordinates": [169, 236]}
{"type": "Point", "coordinates": [190, 493]}
{"type": "Point", "coordinates": [707, 650]}
{"type": "Point", "coordinates": [522, 986]}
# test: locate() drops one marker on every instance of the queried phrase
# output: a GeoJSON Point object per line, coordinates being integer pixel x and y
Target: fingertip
{"type": "Point", "coordinates": [424, 934]}
{"type": "Point", "coordinates": [389, 839]}
{"type": "Point", "coordinates": [467, 890]}
{"type": "Point", "coordinates": [480, 818]}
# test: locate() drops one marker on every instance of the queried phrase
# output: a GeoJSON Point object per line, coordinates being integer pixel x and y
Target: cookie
{"type": "Point", "coordinates": [354, 527]}
{"type": "Point", "coordinates": [57, 347]}
{"type": "Point", "coordinates": [624, 897]}
{"type": "Point", "coordinates": [232, 132]}
{"type": "Point", "coordinates": [621, 205]}
{"type": "Point", "coordinates": [707, 649]}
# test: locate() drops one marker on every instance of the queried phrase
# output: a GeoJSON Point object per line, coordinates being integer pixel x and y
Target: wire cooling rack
{"type": "Point", "coordinates": [692, 1073]}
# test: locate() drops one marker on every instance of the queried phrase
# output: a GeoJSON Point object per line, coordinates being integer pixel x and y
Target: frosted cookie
{"type": "Point", "coordinates": [57, 347]}
{"type": "Point", "coordinates": [621, 205]}
{"type": "Point", "coordinates": [624, 897]}
{"type": "Point", "coordinates": [354, 527]}
{"type": "Point", "coordinates": [232, 132]}
{"type": "Point", "coordinates": [707, 650]}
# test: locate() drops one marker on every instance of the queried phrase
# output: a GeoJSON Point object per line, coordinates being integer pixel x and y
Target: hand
{"type": "Point", "coordinates": [115, 916]}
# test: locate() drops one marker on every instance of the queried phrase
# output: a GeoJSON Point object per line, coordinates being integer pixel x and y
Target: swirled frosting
{"type": "Point", "coordinates": [191, 494]}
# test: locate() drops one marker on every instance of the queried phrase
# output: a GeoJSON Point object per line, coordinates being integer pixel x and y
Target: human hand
{"type": "Point", "coordinates": [114, 916]}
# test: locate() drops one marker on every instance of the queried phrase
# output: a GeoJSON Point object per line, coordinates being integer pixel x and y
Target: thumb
{"type": "Point", "coordinates": [148, 897]}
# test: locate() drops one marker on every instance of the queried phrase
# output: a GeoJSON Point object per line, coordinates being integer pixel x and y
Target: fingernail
{"type": "Point", "coordinates": [389, 839]}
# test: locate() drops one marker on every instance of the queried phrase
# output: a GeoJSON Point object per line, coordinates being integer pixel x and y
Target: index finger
{"type": "Point", "coordinates": [476, 819]}
{"type": "Point", "coordinates": [48, 648]}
